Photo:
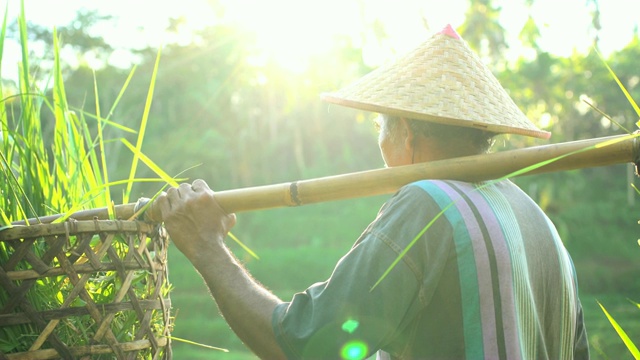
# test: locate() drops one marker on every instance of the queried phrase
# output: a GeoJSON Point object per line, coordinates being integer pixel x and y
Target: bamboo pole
{"type": "Point", "coordinates": [566, 156]}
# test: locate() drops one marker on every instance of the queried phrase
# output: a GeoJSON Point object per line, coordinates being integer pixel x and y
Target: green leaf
{"type": "Point", "coordinates": [103, 158]}
{"type": "Point", "coordinates": [623, 335]}
{"type": "Point", "coordinates": [155, 168]}
{"type": "Point", "coordinates": [143, 125]}
{"type": "Point", "coordinates": [624, 90]}
{"type": "Point", "coordinates": [124, 87]}
{"type": "Point", "coordinates": [22, 23]}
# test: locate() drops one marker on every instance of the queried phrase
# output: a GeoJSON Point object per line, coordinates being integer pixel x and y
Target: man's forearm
{"type": "Point", "coordinates": [245, 304]}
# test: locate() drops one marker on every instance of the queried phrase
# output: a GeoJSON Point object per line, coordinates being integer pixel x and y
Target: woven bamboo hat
{"type": "Point", "coordinates": [441, 81]}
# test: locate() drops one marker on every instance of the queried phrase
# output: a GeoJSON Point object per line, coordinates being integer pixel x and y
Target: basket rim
{"type": "Point", "coordinates": [72, 227]}
{"type": "Point", "coordinates": [163, 343]}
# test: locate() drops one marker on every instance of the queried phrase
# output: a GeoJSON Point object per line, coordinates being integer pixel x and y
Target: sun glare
{"type": "Point", "coordinates": [289, 32]}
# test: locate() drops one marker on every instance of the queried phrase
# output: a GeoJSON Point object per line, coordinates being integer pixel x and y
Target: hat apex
{"type": "Point", "coordinates": [449, 31]}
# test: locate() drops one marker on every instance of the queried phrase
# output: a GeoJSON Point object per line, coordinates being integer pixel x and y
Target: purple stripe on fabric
{"type": "Point", "coordinates": [483, 269]}
{"type": "Point", "coordinates": [505, 273]}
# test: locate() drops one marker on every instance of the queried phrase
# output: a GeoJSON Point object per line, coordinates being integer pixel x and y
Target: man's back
{"type": "Point", "coordinates": [447, 270]}
{"type": "Point", "coordinates": [497, 284]}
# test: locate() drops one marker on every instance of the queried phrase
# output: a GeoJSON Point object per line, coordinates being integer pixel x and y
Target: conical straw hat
{"type": "Point", "coordinates": [442, 81]}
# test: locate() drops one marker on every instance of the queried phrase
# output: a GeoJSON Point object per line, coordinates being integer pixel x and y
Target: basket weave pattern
{"type": "Point", "coordinates": [86, 259]}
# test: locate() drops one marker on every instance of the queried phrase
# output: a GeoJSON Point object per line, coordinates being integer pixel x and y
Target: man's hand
{"type": "Point", "coordinates": [193, 218]}
{"type": "Point", "coordinates": [198, 225]}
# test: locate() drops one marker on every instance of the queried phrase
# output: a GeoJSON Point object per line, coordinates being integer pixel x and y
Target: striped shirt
{"type": "Point", "coordinates": [447, 270]}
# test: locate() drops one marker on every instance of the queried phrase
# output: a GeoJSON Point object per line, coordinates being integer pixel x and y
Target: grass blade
{"type": "Point", "coordinates": [22, 24]}
{"type": "Point", "coordinates": [408, 247]}
{"type": "Point", "coordinates": [606, 116]}
{"type": "Point", "coordinates": [124, 87]}
{"type": "Point", "coordinates": [624, 90]}
{"type": "Point", "coordinates": [143, 125]}
{"type": "Point", "coordinates": [9, 175]}
{"type": "Point", "coordinates": [155, 168]}
{"type": "Point", "coordinates": [197, 344]}
{"type": "Point", "coordinates": [103, 159]}
{"type": "Point", "coordinates": [243, 246]}
{"type": "Point", "coordinates": [106, 122]}
{"type": "Point", "coordinates": [623, 335]}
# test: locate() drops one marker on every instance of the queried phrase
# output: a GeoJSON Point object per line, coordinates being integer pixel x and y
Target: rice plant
{"type": "Point", "coordinates": [58, 172]}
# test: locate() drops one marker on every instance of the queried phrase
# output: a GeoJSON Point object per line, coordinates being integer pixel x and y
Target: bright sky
{"type": "Point", "coordinates": [292, 29]}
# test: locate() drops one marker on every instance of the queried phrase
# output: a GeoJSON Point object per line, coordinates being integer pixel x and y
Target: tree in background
{"type": "Point", "coordinates": [77, 37]}
{"type": "Point", "coordinates": [482, 30]}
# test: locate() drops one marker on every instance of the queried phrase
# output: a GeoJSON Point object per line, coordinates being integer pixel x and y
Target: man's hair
{"type": "Point", "coordinates": [456, 140]}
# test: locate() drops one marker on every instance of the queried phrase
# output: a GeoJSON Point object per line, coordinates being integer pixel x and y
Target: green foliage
{"type": "Point", "coordinates": [57, 169]}
{"type": "Point", "coordinates": [482, 29]}
{"type": "Point", "coordinates": [39, 180]}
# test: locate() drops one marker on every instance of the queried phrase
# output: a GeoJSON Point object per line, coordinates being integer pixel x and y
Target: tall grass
{"type": "Point", "coordinates": [47, 175]}
{"type": "Point", "coordinates": [51, 169]}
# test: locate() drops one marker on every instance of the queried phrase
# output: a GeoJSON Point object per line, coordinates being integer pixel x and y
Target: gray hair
{"type": "Point", "coordinates": [456, 140]}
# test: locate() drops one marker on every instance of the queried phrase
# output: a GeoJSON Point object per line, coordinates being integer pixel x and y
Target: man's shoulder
{"type": "Point", "coordinates": [444, 192]}
{"type": "Point", "coordinates": [437, 187]}
{"type": "Point", "coordinates": [432, 186]}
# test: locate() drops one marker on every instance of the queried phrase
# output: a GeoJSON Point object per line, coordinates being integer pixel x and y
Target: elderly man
{"type": "Point", "coordinates": [482, 273]}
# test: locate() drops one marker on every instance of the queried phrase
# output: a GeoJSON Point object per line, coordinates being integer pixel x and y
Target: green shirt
{"type": "Point", "coordinates": [477, 272]}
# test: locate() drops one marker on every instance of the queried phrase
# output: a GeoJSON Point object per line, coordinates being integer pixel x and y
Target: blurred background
{"type": "Point", "coordinates": [236, 102]}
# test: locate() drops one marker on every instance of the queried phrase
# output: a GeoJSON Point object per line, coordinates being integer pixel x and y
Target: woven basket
{"type": "Point", "coordinates": [109, 276]}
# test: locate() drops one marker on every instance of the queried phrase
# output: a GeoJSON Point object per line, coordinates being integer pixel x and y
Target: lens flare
{"type": "Point", "coordinates": [350, 326]}
{"type": "Point", "coordinates": [354, 350]}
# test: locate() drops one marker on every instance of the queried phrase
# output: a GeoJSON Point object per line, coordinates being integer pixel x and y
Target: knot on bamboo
{"type": "Point", "coordinates": [636, 151]}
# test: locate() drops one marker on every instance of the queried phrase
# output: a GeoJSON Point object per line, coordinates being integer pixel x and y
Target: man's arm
{"type": "Point", "coordinates": [198, 226]}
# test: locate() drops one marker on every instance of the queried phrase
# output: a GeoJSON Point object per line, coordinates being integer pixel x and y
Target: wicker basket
{"type": "Point", "coordinates": [108, 276]}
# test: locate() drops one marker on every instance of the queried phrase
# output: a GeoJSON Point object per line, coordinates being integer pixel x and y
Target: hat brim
{"type": "Point", "coordinates": [443, 120]}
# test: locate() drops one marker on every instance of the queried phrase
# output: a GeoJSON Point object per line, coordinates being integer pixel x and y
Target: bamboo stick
{"type": "Point", "coordinates": [568, 156]}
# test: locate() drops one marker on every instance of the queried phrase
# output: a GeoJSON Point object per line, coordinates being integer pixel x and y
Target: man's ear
{"type": "Point", "coordinates": [409, 137]}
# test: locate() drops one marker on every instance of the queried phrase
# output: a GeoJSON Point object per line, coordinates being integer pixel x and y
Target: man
{"type": "Point", "coordinates": [447, 270]}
